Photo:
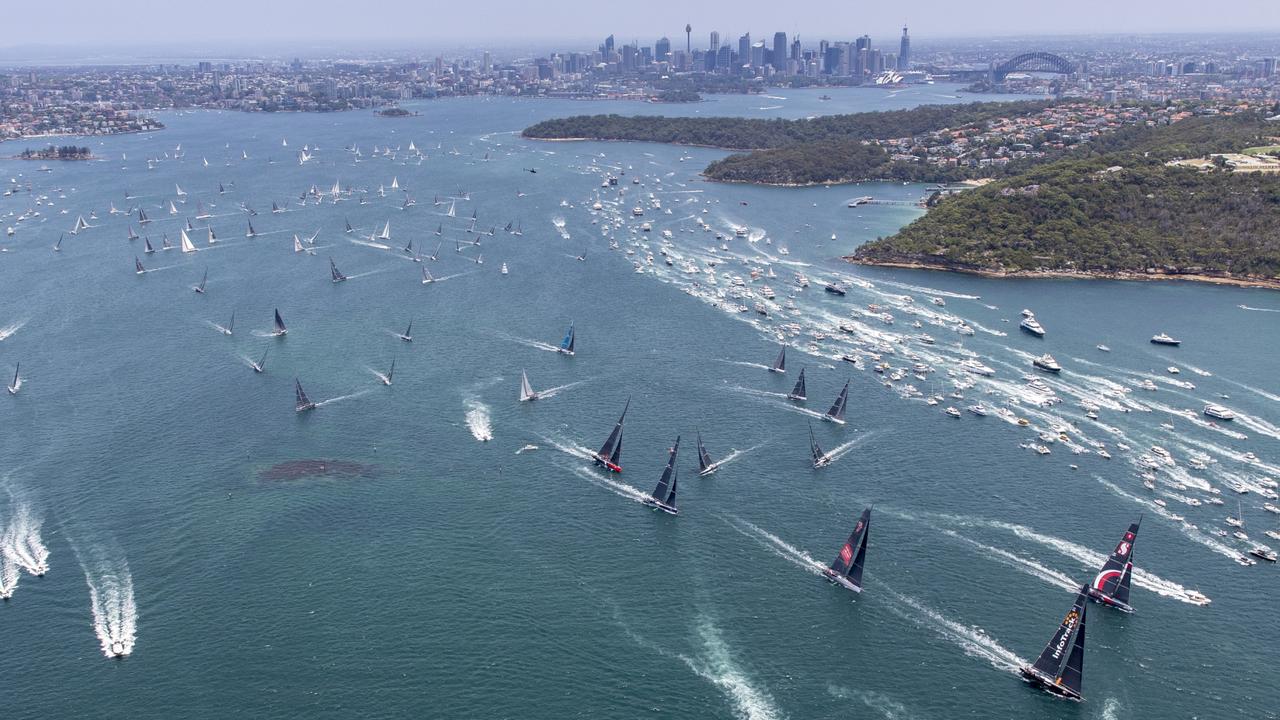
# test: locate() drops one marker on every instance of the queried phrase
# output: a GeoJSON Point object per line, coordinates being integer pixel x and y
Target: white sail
{"type": "Point", "coordinates": [178, 190]}
{"type": "Point", "coordinates": [173, 209]}
{"type": "Point", "coordinates": [187, 245]}
{"type": "Point", "coordinates": [386, 232]}
{"type": "Point", "coordinates": [526, 392]}
{"type": "Point", "coordinates": [395, 184]}
{"type": "Point", "coordinates": [297, 244]}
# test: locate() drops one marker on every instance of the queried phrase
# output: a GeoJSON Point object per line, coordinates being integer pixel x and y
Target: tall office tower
{"type": "Point", "coordinates": [662, 50]}
{"type": "Point", "coordinates": [904, 51]}
{"type": "Point", "coordinates": [724, 57]}
{"type": "Point", "coordinates": [744, 49]}
{"type": "Point", "coordinates": [608, 46]}
{"type": "Point", "coordinates": [779, 51]}
{"type": "Point", "coordinates": [795, 49]}
{"type": "Point", "coordinates": [715, 41]}
{"type": "Point", "coordinates": [831, 60]}
{"type": "Point", "coordinates": [864, 43]}
{"type": "Point", "coordinates": [487, 65]}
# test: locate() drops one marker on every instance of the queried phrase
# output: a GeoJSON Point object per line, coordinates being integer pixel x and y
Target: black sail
{"type": "Point", "coordinates": [612, 448]}
{"type": "Point", "coordinates": [860, 559]}
{"type": "Point", "coordinates": [780, 364]}
{"type": "Point", "coordinates": [704, 458]}
{"type": "Point", "coordinates": [814, 448]}
{"type": "Point", "coordinates": [1054, 654]}
{"type": "Point", "coordinates": [1113, 578]}
{"type": "Point", "coordinates": [837, 408]}
{"type": "Point", "coordinates": [280, 328]}
{"type": "Point", "coordinates": [1073, 673]}
{"type": "Point", "coordinates": [666, 484]}
{"type": "Point", "coordinates": [798, 392]}
{"type": "Point", "coordinates": [850, 552]}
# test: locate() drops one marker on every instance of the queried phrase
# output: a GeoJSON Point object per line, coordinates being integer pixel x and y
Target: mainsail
{"type": "Point", "coordinates": [280, 328]}
{"type": "Point", "coordinates": [780, 364]}
{"type": "Point", "coordinates": [146, 245]}
{"type": "Point", "coordinates": [526, 391]}
{"type": "Point", "coordinates": [334, 274]}
{"type": "Point", "coordinates": [610, 453]}
{"type": "Point", "coordinates": [798, 392]}
{"type": "Point", "coordinates": [1055, 670]}
{"type": "Point", "coordinates": [566, 345]}
{"type": "Point", "coordinates": [852, 556]}
{"type": "Point", "coordinates": [1111, 585]}
{"type": "Point", "coordinates": [137, 264]}
{"type": "Point", "coordinates": [664, 495]}
{"type": "Point", "coordinates": [303, 402]}
{"type": "Point", "coordinates": [836, 413]}
{"type": "Point", "coordinates": [187, 245]}
{"type": "Point", "coordinates": [705, 466]}
{"type": "Point", "coordinates": [819, 457]}
{"type": "Point", "coordinates": [200, 288]}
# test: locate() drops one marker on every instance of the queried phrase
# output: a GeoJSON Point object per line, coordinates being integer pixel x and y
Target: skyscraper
{"type": "Point", "coordinates": [688, 39]}
{"type": "Point", "coordinates": [744, 49]}
{"type": "Point", "coordinates": [904, 51]}
{"type": "Point", "coordinates": [662, 50]}
{"type": "Point", "coordinates": [715, 40]}
{"type": "Point", "coordinates": [608, 46]}
{"type": "Point", "coordinates": [780, 51]}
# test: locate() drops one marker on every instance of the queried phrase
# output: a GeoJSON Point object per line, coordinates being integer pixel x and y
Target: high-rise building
{"type": "Point", "coordinates": [724, 58]}
{"type": "Point", "coordinates": [795, 49]}
{"type": "Point", "coordinates": [608, 46]}
{"type": "Point", "coordinates": [744, 49]}
{"type": "Point", "coordinates": [904, 51]}
{"type": "Point", "coordinates": [779, 51]}
{"type": "Point", "coordinates": [662, 50]}
{"type": "Point", "coordinates": [715, 41]}
{"type": "Point", "coordinates": [864, 43]}
{"type": "Point", "coordinates": [487, 64]}
{"type": "Point", "coordinates": [831, 60]}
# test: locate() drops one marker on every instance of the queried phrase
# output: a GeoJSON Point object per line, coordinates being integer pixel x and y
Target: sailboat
{"type": "Point", "coordinates": [798, 392]}
{"type": "Point", "coordinates": [132, 235]}
{"type": "Point", "coordinates": [173, 209]}
{"type": "Point", "coordinates": [1111, 584]}
{"type": "Point", "coordinates": [142, 217]}
{"type": "Point", "coordinates": [408, 249]}
{"type": "Point", "coordinates": [407, 335]}
{"type": "Point", "coordinates": [280, 330]}
{"type": "Point", "coordinates": [178, 190]}
{"type": "Point", "coordinates": [187, 245]}
{"type": "Point", "coordinates": [610, 453]}
{"type": "Point", "coordinates": [819, 458]}
{"type": "Point", "coordinates": [836, 413]}
{"type": "Point", "coordinates": [780, 363]}
{"type": "Point", "coordinates": [435, 256]}
{"type": "Point", "coordinates": [334, 274]}
{"type": "Point", "coordinates": [57, 247]}
{"type": "Point", "coordinates": [705, 466]}
{"type": "Point", "coordinates": [426, 276]}
{"type": "Point", "coordinates": [80, 225]}
{"type": "Point", "coordinates": [200, 288]}
{"type": "Point", "coordinates": [202, 213]}
{"type": "Point", "coordinates": [664, 495]}
{"type": "Point", "coordinates": [164, 242]}
{"type": "Point", "coordinates": [846, 569]}
{"type": "Point", "coordinates": [349, 229]}
{"type": "Point", "coordinates": [275, 208]}
{"type": "Point", "coordinates": [137, 264]}
{"type": "Point", "coordinates": [566, 345]}
{"type": "Point", "coordinates": [146, 246]}
{"type": "Point", "coordinates": [504, 269]}
{"type": "Point", "coordinates": [251, 232]}
{"type": "Point", "coordinates": [386, 379]}
{"type": "Point", "coordinates": [303, 402]}
{"type": "Point", "coordinates": [1049, 672]}
{"type": "Point", "coordinates": [16, 385]}
{"type": "Point", "coordinates": [386, 232]}
{"type": "Point", "coordinates": [261, 365]}
{"type": "Point", "coordinates": [526, 391]}
{"type": "Point", "coordinates": [212, 237]}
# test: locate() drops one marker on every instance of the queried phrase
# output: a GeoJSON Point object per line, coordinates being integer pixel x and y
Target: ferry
{"type": "Point", "coordinates": [1219, 412]}
{"type": "Point", "coordinates": [1164, 339]}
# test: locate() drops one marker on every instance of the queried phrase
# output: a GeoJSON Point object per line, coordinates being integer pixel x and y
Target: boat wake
{"type": "Point", "coordinates": [357, 276]}
{"type": "Point", "coordinates": [340, 398]}
{"type": "Point", "coordinates": [369, 243]}
{"type": "Point", "coordinates": [973, 640]}
{"type": "Point", "coordinates": [1257, 309]}
{"type": "Point", "coordinates": [1083, 555]}
{"type": "Point", "coordinates": [1258, 425]}
{"type": "Point", "coordinates": [382, 377]}
{"type": "Point", "coordinates": [775, 544]}
{"type": "Point", "coordinates": [1250, 388]}
{"type": "Point", "coordinates": [478, 420]}
{"type": "Point", "coordinates": [577, 451]}
{"type": "Point", "coordinates": [620, 489]}
{"type": "Point", "coordinates": [538, 344]}
{"type": "Point", "coordinates": [21, 543]}
{"type": "Point", "coordinates": [733, 455]}
{"type": "Point", "coordinates": [215, 326]}
{"type": "Point", "coordinates": [886, 706]}
{"type": "Point", "coordinates": [744, 363]}
{"type": "Point", "coordinates": [777, 400]}
{"type": "Point", "coordinates": [442, 278]}
{"type": "Point", "coordinates": [115, 615]}
{"type": "Point", "coordinates": [552, 392]}
{"type": "Point", "coordinates": [1026, 565]}
{"type": "Point", "coordinates": [7, 331]}
{"type": "Point", "coordinates": [843, 449]}
{"type": "Point", "coordinates": [8, 576]}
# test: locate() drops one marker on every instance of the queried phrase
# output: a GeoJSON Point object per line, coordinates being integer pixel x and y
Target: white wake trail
{"type": "Point", "coordinates": [973, 640]}
{"type": "Point", "coordinates": [22, 543]}
{"type": "Point", "coordinates": [478, 420]}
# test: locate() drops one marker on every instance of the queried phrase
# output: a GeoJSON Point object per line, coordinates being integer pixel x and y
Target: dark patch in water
{"type": "Point", "coordinates": [298, 469]}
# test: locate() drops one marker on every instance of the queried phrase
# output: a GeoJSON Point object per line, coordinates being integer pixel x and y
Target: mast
{"type": "Point", "coordinates": [1112, 581]}
{"type": "Point", "coordinates": [704, 458]}
{"type": "Point", "coordinates": [262, 362]}
{"type": "Point", "coordinates": [200, 288]}
{"type": "Point", "coordinates": [836, 412]}
{"type": "Point", "coordinates": [816, 450]}
{"type": "Point", "coordinates": [1051, 659]}
{"type": "Point", "coordinates": [334, 274]}
{"type": "Point", "coordinates": [526, 392]}
{"type": "Point", "coordinates": [798, 392]}
{"type": "Point", "coordinates": [303, 402]}
{"type": "Point", "coordinates": [280, 328]}
{"type": "Point", "coordinates": [665, 492]}
{"type": "Point", "coordinates": [611, 452]}
{"type": "Point", "coordinates": [231, 325]}
{"type": "Point", "coordinates": [780, 364]}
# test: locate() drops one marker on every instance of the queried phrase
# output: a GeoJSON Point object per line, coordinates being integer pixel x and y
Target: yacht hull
{"type": "Point", "coordinates": [1043, 682]}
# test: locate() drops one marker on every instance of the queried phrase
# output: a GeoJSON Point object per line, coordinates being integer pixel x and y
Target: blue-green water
{"type": "Point", "coordinates": [458, 578]}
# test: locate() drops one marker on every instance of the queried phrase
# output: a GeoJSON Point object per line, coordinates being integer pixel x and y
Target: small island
{"type": "Point", "coordinates": [395, 112]}
{"type": "Point", "coordinates": [58, 152]}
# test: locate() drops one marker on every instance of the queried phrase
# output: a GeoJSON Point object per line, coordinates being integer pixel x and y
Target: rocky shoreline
{"type": "Point", "coordinates": [1250, 282]}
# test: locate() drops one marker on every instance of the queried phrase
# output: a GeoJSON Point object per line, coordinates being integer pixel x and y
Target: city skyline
{"type": "Point", "coordinates": [299, 24]}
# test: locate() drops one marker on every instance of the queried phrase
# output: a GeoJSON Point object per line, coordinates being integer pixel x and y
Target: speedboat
{"type": "Point", "coordinates": [952, 412]}
{"type": "Point", "coordinates": [1164, 339]}
{"type": "Point", "coordinates": [1219, 412]}
{"type": "Point", "coordinates": [1263, 552]}
{"type": "Point", "coordinates": [1047, 363]}
{"type": "Point", "coordinates": [977, 368]}
{"type": "Point", "coordinates": [117, 649]}
{"type": "Point", "coordinates": [978, 409]}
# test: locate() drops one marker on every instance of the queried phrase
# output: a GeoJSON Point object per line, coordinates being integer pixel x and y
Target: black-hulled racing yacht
{"type": "Point", "coordinates": [1060, 668]}
{"type": "Point", "coordinates": [1111, 585]}
{"type": "Point", "coordinates": [846, 569]}
{"type": "Point", "coordinates": [664, 495]}
{"type": "Point", "coordinates": [610, 455]}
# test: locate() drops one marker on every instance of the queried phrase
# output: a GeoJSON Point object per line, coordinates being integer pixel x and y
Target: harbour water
{"type": "Point", "coordinates": [402, 551]}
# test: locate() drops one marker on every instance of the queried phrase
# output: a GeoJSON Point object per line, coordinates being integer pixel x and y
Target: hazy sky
{"type": "Point", "coordinates": [427, 23]}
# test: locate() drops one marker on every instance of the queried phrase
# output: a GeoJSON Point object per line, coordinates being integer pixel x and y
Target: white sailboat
{"type": "Point", "coordinates": [16, 385]}
{"type": "Point", "coordinates": [386, 232]}
{"type": "Point", "coordinates": [526, 391]}
{"type": "Point", "coordinates": [187, 245]}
